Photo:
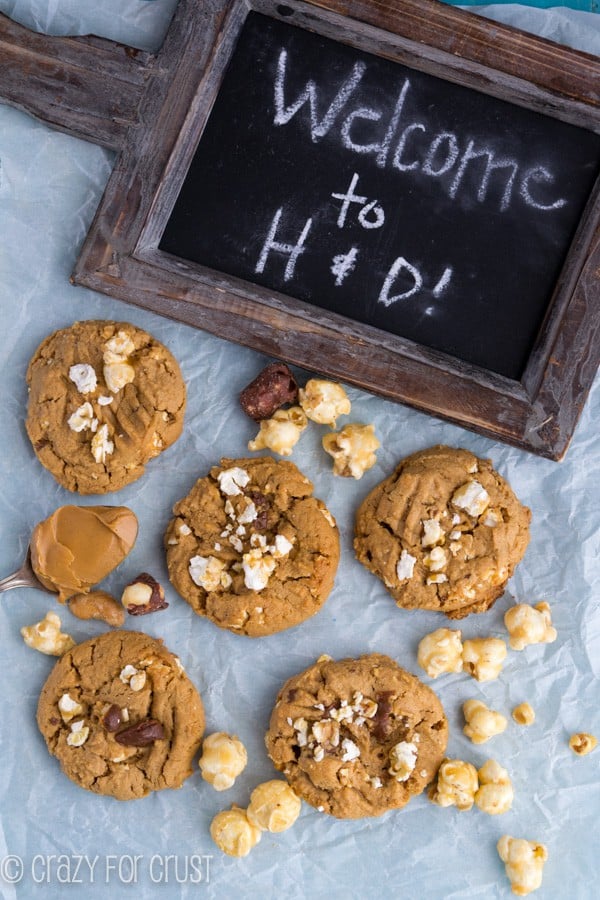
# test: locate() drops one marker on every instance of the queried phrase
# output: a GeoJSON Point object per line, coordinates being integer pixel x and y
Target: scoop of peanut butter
{"type": "Point", "coordinates": [77, 546]}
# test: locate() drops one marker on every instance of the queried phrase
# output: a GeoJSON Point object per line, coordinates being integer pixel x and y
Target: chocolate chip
{"type": "Point", "coordinates": [292, 694]}
{"type": "Point", "coordinates": [142, 734]}
{"type": "Point", "coordinates": [112, 718]}
{"type": "Point", "coordinates": [381, 719]}
{"type": "Point", "coordinates": [271, 389]}
{"type": "Point", "coordinates": [262, 505]}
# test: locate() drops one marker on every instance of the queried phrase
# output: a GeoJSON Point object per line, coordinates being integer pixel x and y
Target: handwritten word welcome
{"type": "Point", "coordinates": [410, 146]}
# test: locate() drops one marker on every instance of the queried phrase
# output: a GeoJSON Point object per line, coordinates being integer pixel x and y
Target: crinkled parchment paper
{"type": "Point", "coordinates": [75, 844]}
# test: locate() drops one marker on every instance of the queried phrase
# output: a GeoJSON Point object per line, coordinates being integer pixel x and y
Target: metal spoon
{"type": "Point", "coordinates": [23, 577]}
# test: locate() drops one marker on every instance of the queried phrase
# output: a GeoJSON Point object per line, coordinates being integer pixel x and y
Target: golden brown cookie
{"type": "Point", "coordinates": [444, 532]}
{"type": "Point", "coordinates": [121, 716]}
{"type": "Point", "coordinates": [357, 737]}
{"type": "Point", "coordinates": [251, 549]}
{"type": "Point", "coordinates": [105, 397]}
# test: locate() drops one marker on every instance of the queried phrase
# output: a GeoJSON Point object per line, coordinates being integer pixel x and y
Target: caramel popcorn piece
{"type": "Point", "coordinates": [223, 759]}
{"type": "Point", "coordinates": [483, 657]}
{"type": "Point", "coordinates": [281, 432]}
{"type": "Point", "coordinates": [353, 449]}
{"type": "Point", "coordinates": [324, 401]}
{"type": "Point", "coordinates": [47, 637]}
{"type": "Point", "coordinates": [456, 784]}
{"type": "Point", "coordinates": [582, 743]}
{"type": "Point", "coordinates": [495, 793]}
{"type": "Point", "coordinates": [69, 708]}
{"type": "Point", "coordinates": [441, 652]}
{"type": "Point", "coordinates": [233, 833]}
{"type": "Point", "coordinates": [482, 723]}
{"type": "Point", "coordinates": [523, 714]}
{"type": "Point", "coordinates": [118, 370]}
{"type": "Point", "coordinates": [529, 625]}
{"type": "Point", "coordinates": [524, 862]}
{"type": "Point", "coordinates": [209, 573]}
{"type": "Point", "coordinates": [273, 806]}
{"type": "Point", "coordinates": [472, 497]}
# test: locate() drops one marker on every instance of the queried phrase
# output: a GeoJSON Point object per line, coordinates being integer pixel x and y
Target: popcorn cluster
{"type": "Point", "coordinates": [273, 807]}
{"type": "Point", "coordinates": [443, 651]}
{"type": "Point", "coordinates": [460, 784]}
{"type": "Point", "coordinates": [47, 637]}
{"type": "Point", "coordinates": [352, 449]}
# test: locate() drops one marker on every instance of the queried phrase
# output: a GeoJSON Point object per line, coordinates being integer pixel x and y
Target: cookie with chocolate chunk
{"type": "Point", "coordinates": [357, 737]}
{"type": "Point", "coordinates": [251, 549]}
{"type": "Point", "coordinates": [104, 399]}
{"type": "Point", "coordinates": [444, 532]}
{"type": "Point", "coordinates": [121, 716]}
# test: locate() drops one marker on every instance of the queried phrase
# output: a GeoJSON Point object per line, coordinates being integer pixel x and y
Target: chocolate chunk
{"type": "Point", "coordinates": [382, 717]}
{"type": "Point", "coordinates": [271, 389]}
{"type": "Point", "coordinates": [142, 734]}
{"type": "Point", "coordinates": [131, 594]}
{"type": "Point", "coordinates": [112, 718]}
{"type": "Point", "coordinates": [261, 522]}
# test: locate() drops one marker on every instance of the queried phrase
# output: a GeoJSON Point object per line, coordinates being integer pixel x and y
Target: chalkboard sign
{"type": "Point", "coordinates": [400, 195]}
{"type": "Point", "coordinates": [384, 194]}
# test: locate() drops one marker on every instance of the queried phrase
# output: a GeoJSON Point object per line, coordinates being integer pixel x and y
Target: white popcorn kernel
{"type": "Point", "coordinates": [492, 518]}
{"type": "Point", "coordinates": [529, 625]}
{"type": "Point", "coordinates": [47, 637]}
{"type": "Point", "coordinates": [78, 735]}
{"type": "Point", "coordinates": [117, 375]}
{"type": "Point", "coordinates": [327, 516]}
{"type": "Point", "coordinates": [69, 708]}
{"type": "Point", "coordinates": [231, 481]}
{"type": "Point", "coordinates": [523, 714]}
{"type": "Point", "coordinates": [472, 497]}
{"type": "Point", "coordinates": [405, 566]}
{"type": "Point", "coordinates": [582, 743]}
{"type": "Point", "coordinates": [455, 535]}
{"type": "Point", "coordinates": [119, 347]}
{"type": "Point", "coordinates": [233, 833]}
{"type": "Point", "coordinates": [300, 726]}
{"type": "Point", "coordinates": [137, 681]}
{"type": "Point", "coordinates": [104, 400]}
{"type": "Point", "coordinates": [403, 759]}
{"type": "Point", "coordinates": [184, 529]}
{"type": "Point", "coordinates": [281, 432]}
{"type": "Point", "coordinates": [433, 533]}
{"type": "Point", "coordinates": [207, 572]}
{"type": "Point", "coordinates": [257, 569]}
{"type": "Point", "coordinates": [83, 377]}
{"type": "Point", "coordinates": [456, 784]}
{"type": "Point", "coordinates": [482, 723]}
{"type": "Point", "coordinates": [326, 733]}
{"type": "Point", "coordinates": [249, 514]}
{"type": "Point", "coordinates": [495, 793]}
{"type": "Point", "coordinates": [324, 401]}
{"type": "Point", "coordinates": [441, 652]}
{"type": "Point", "coordinates": [127, 673]}
{"type": "Point", "coordinates": [223, 758]}
{"type": "Point", "coordinates": [273, 806]}
{"type": "Point", "coordinates": [236, 543]}
{"type": "Point", "coordinates": [438, 578]}
{"type": "Point", "coordinates": [352, 449]}
{"type": "Point", "coordinates": [349, 750]}
{"type": "Point", "coordinates": [524, 863]}
{"type": "Point", "coordinates": [483, 657]}
{"type": "Point", "coordinates": [102, 446]}
{"type": "Point", "coordinates": [83, 418]}
{"type": "Point", "coordinates": [436, 559]}
{"type": "Point", "coordinates": [282, 546]}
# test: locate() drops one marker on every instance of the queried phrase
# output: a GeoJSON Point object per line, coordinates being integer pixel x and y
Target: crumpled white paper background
{"type": "Point", "coordinates": [50, 185]}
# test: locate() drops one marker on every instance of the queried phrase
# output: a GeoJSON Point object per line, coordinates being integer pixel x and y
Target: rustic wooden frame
{"type": "Point", "coordinates": [152, 109]}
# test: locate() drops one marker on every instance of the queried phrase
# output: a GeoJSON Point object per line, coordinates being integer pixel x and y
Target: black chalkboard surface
{"type": "Point", "coordinates": [385, 194]}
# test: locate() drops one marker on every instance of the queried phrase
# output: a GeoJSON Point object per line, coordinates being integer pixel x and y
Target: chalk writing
{"type": "Point", "coordinates": [416, 149]}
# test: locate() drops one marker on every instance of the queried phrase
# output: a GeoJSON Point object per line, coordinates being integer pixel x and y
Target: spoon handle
{"type": "Point", "coordinates": [23, 577]}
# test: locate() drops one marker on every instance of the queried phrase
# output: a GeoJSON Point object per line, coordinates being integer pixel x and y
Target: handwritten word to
{"type": "Point", "coordinates": [370, 215]}
{"type": "Point", "coordinates": [411, 147]}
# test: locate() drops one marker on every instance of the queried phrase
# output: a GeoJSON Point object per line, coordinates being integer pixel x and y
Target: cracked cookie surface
{"type": "Point", "coordinates": [357, 737]}
{"type": "Point", "coordinates": [251, 549]}
{"type": "Point", "coordinates": [444, 532]}
{"type": "Point", "coordinates": [121, 716]}
{"type": "Point", "coordinates": [104, 398]}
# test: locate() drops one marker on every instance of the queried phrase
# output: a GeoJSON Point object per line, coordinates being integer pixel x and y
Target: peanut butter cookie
{"type": "Point", "coordinates": [357, 737]}
{"type": "Point", "coordinates": [121, 716]}
{"type": "Point", "coordinates": [444, 532]}
{"type": "Point", "coordinates": [104, 399]}
{"type": "Point", "coordinates": [251, 549]}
